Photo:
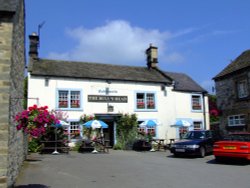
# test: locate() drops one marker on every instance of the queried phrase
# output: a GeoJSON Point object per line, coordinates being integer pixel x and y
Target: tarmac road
{"type": "Point", "coordinates": [130, 169]}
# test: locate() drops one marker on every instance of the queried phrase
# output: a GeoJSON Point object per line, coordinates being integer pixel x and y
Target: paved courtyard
{"type": "Point", "coordinates": [130, 169]}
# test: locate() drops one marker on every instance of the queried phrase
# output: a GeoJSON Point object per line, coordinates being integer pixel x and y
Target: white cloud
{"type": "Point", "coordinates": [174, 57]}
{"type": "Point", "coordinates": [185, 32]}
{"type": "Point", "coordinates": [116, 42]}
{"type": "Point", "coordinates": [206, 35]}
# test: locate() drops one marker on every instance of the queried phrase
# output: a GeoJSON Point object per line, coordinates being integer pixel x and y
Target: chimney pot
{"type": "Point", "coordinates": [34, 43]}
{"type": "Point", "coordinates": [152, 56]}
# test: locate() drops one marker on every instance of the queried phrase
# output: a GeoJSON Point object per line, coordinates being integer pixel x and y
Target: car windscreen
{"type": "Point", "coordinates": [238, 137]}
{"type": "Point", "coordinates": [194, 135]}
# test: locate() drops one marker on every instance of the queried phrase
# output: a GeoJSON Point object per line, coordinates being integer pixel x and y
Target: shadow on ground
{"type": "Point", "coordinates": [182, 156]}
{"type": "Point", "coordinates": [32, 186]}
{"type": "Point", "coordinates": [236, 162]}
{"type": "Point", "coordinates": [33, 160]}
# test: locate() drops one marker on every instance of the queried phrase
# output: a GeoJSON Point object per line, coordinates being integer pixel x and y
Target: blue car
{"type": "Point", "coordinates": [198, 143]}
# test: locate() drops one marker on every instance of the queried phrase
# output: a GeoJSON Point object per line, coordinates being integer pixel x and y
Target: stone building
{"type": "Point", "coordinates": [233, 94]}
{"type": "Point", "coordinates": [12, 65]}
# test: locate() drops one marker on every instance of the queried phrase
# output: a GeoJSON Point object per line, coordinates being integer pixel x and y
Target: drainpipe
{"type": "Point", "coordinates": [204, 110]}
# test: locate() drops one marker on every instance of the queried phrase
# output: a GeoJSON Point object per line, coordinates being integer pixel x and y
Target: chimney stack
{"type": "Point", "coordinates": [34, 43]}
{"type": "Point", "coordinates": [152, 57]}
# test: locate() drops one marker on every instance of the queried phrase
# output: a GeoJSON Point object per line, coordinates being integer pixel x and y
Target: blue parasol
{"type": "Point", "coordinates": [95, 124]}
{"type": "Point", "coordinates": [149, 123]}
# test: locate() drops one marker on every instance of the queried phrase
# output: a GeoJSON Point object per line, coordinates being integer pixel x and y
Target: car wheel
{"type": "Point", "coordinates": [202, 152]}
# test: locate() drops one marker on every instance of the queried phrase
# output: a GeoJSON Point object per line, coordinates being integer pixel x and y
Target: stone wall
{"type": "Point", "coordinates": [228, 103]}
{"type": "Point", "coordinates": [12, 64]}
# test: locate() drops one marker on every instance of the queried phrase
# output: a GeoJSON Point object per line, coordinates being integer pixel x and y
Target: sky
{"type": "Point", "coordinates": [195, 37]}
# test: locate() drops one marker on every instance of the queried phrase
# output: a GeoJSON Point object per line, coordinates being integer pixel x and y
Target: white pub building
{"type": "Point", "coordinates": [107, 91]}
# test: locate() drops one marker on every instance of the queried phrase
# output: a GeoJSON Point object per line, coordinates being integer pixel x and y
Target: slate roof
{"type": "Point", "coordinates": [184, 83]}
{"type": "Point", "coordinates": [87, 70]}
{"type": "Point", "coordinates": [8, 5]}
{"type": "Point", "coordinates": [241, 62]}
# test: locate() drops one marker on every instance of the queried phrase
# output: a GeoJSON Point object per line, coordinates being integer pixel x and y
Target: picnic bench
{"type": "Point", "coordinates": [159, 144]}
{"type": "Point", "coordinates": [171, 141]}
{"type": "Point", "coordinates": [142, 145]}
{"type": "Point", "coordinates": [100, 145]}
{"type": "Point", "coordinates": [49, 146]}
{"type": "Point", "coordinates": [86, 146]}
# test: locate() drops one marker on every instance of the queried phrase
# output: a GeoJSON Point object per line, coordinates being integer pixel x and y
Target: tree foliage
{"type": "Point", "coordinates": [214, 112]}
{"type": "Point", "coordinates": [126, 130]}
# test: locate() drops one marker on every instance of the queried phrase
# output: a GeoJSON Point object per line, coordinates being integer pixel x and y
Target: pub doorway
{"type": "Point", "coordinates": [109, 133]}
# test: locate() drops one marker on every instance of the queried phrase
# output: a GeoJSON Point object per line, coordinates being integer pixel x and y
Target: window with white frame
{"type": "Point", "coordinates": [242, 89]}
{"type": "Point", "coordinates": [145, 101]}
{"type": "Point", "coordinates": [151, 131]}
{"type": "Point", "coordinates": [141, 130]}
{"type": "Point", "coordinates": [236, 120]}
{"type": "Point", "coordinates": [74, 130]}
{"type": "Point", "coordinates": [197, 125]}
{"type": "Point", "coordinates": [196, 102]}
{"type": "Point", "coordinates": [69, 99]}
{"type": "Point", "coordinates": [144, 130]}
{"type": "Point", "coordinates": [147, 131]}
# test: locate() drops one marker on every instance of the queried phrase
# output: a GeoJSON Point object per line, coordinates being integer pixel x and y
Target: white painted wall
{"type": "Point", "coordinates": [170, 105]}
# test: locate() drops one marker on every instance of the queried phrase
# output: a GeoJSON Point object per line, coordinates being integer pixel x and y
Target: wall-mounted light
{"type": "Point", "coordinates": [46, 81]}
{"type": "Point", "coordinates": [110, 108]}
{"type": "Point", "coordinates": [163, 88]}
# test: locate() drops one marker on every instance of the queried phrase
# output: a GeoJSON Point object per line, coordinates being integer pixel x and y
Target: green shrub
{"type": "Point", "coordinates": [118, 146]}
{"type": "Point", "coordinates": [34, 146]}
{"type": "Point", "coordinates": [76, 147]}
{"type": "Point", "coordinates": [126, 131]}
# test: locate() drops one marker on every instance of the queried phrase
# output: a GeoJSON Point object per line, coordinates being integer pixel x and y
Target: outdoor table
{"type": "Point", "coordinates": [142, 145]}
{"type": "Point", "coordinates": [86, 146]}
{"type": "Point", "coordinates": [98, 145]}
{"type": "Point", "coordinates": [159, 144]}
{"type": "Point", "coordinates": [102, 145]}
{"type": "Point", "coordinates": [171, 141]}
{"type": "Point", "coordinates": [51, 145]}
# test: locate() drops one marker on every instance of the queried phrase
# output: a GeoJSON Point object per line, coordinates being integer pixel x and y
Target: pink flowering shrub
{"type": "Point", "coordinates": [61, 115]}
{"type": "Point", "coordinates": [35, 120]}
{"type": "Point", "coordinates": [214, 112]}
{"type": "Point", "coordinates": [84, 118]}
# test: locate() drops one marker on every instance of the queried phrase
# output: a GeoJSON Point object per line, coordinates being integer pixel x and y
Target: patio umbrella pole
{"type": "Point", "coordinates": [55, 152]}
{"type": "Point", "coordinates": [95, 151]}
{"type": "Point", "coordinates": [152, 149]}
{"type": "Point", "coordinates": [95, 124]}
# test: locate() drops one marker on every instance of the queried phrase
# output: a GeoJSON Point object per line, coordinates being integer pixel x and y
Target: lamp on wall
{"type": "Point", "coordinates": [163, 88]}
{"type": "Point", "coordinates": [46, 83]}
{"type": "Point", "coordinates": [110, 108]}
